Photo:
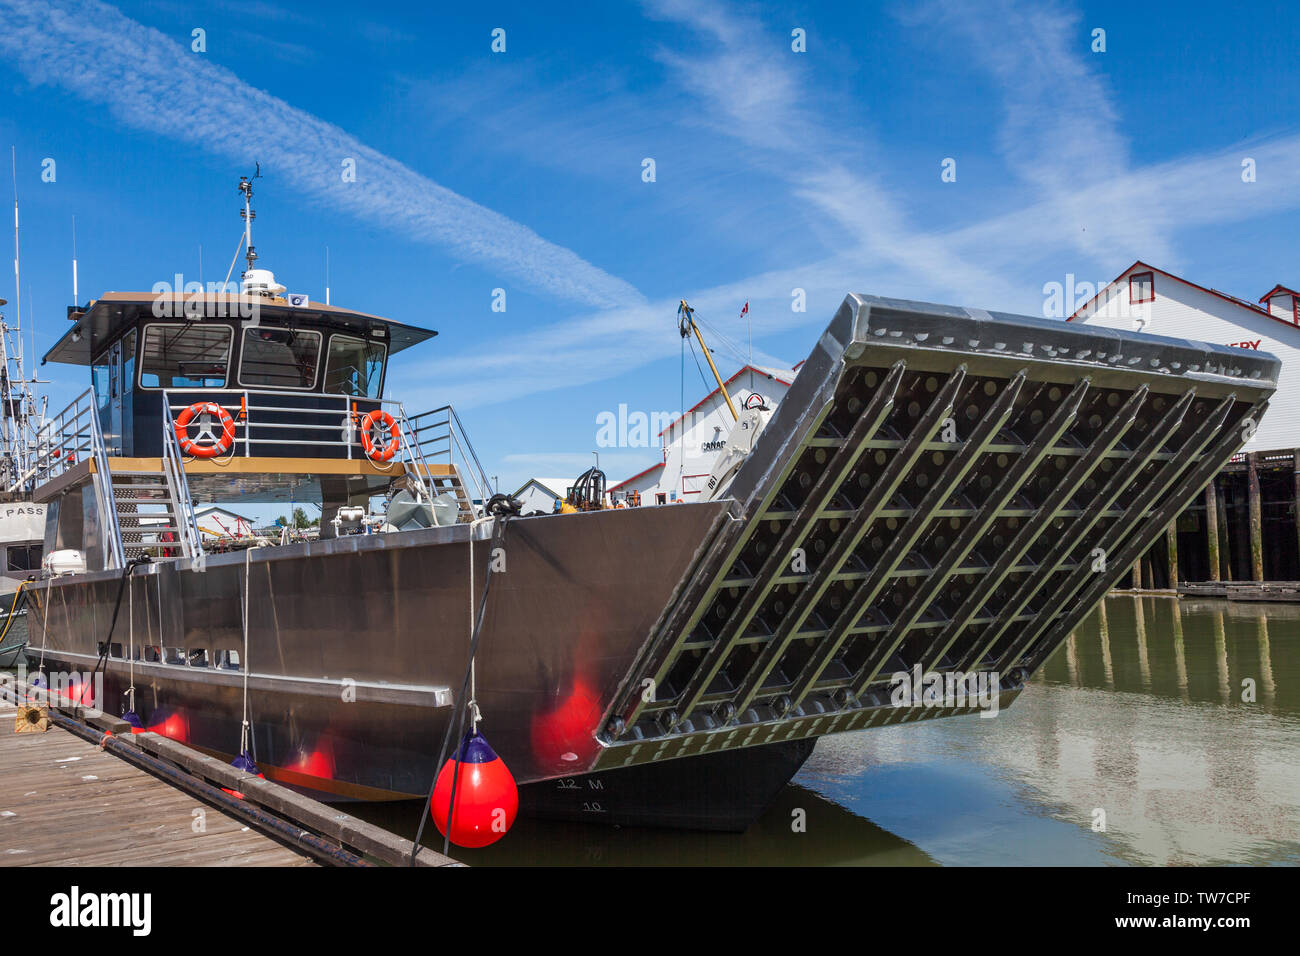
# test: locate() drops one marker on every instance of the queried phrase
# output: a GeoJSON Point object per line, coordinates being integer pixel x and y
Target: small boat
{"type": "Point", "coordinates": [22, 535]}
{"type": "Point", "coordinates": [940, 497]}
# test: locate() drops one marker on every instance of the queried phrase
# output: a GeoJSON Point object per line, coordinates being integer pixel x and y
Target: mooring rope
{"type": "Point", "coordinates": [244, 726]}
{"type": "Point", "coordinates": [458, 722]}
{"type": "Point", "coordinates": [130, 682]}
{"type": "Point", "coordinates": [112, 624]}
{"type": "Point", "coordinates": [45, 634]}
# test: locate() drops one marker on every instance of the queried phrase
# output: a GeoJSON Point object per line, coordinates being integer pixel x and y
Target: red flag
{"type": "Point", "coordinates": [745, 309]}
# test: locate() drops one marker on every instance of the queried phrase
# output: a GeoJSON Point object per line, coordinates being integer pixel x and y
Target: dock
{"type": "Point", "coordinates": [66, 802]}
{"type": "Point", "coordinates": [89, 792]}
{"type": "Point", "coordinates": [1287, 592]}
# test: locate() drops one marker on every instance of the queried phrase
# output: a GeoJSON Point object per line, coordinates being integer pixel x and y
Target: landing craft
{"type": "Point", "coordinates": [945, 472]}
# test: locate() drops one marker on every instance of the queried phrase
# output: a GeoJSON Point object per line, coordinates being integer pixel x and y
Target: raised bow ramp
{"type": "Point", "coordinates": [942, 490]}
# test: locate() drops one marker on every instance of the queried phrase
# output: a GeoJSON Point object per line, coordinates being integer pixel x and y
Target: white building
{"type": "Point", "coordinates": [541, 494]}
{"type": "Point", "coordinates": [691, 444]}
{"type": "Point", "coordinates": [1147, 299]}
{"type": "Point", "coordinates": [216, 522]}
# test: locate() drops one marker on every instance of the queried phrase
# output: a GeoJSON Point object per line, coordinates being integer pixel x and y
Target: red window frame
{"type": "Point", "coordinates": [1295, 309]}
{"type": "Point", "coordinates": [1151, 278]}
{"type": "Point", "coordinates": [691, 491]}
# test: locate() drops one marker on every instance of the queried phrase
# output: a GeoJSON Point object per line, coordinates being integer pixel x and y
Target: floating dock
{"type": "Point", "coordinates": [88, 792]}
{"type": "Point", "coordinates": [1286, 592]}
{"type": "Point", "coordinates": [69, 803]}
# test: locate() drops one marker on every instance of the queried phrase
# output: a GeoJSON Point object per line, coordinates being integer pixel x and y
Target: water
{"type": "Point", "coordinates": [1139, 714]}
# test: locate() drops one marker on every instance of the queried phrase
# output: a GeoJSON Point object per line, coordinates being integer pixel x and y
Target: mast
{"type": "Point", "coordinates": [246, 188]}
{"type": "Point", "coordinates": [686, 325]}
{"type": "Point", "coordinates": [18, 417]}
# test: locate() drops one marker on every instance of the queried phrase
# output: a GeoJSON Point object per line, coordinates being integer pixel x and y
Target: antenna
{"type": "Point", "coordinates": [76, 299]}
{"type": "Point", "coordinates": [18, 291]}
{"type": "Point", "coordinates": [327, 275]}
{"type": "Point", "coordinates": [18, 427]}
{"type": "Point", "coordinates": [246, 187]}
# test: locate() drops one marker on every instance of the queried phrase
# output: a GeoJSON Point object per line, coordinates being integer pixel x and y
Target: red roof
{"type": "Point", "coordinates": [634, 477]}
{"type": "Point", "coordinates": [743, 370]}
{"type": "Point", "coordinates": [1275, 290]}
{"type": "Point", "coordinates": [1169, 275]}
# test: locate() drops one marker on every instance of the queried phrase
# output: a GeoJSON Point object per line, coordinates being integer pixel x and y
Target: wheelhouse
{"type": "Point", "coordinates": [145, 350]}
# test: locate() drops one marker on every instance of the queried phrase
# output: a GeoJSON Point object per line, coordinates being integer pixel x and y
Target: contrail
{"type": "Point", "coordinates": [151, 82]}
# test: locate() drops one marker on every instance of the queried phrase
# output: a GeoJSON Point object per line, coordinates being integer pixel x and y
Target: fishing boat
{"type": "Point", "coordinates": [942, 491]}
{"type": "Point", "coordinates": [22, 539]}
{"type": "Point", "coordinates": [22, 520]}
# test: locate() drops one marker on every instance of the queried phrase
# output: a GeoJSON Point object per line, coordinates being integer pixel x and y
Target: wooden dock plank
{"type": "Point", "coordinates": [65, 802]}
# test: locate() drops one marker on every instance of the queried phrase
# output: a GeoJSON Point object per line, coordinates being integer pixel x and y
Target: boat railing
{"type": "Point", "coordinates": [440, 435]}
{"type": "Point", "coordinates": [178, 486]}
{"type": "Point", "coordinates": [105, 499]}
{"type": "Point", "coordinates": [282, 422]}
{"type": "Point", "coordinates": [62, 443]}
{"type": "Point", "coordinates": [65, 441]}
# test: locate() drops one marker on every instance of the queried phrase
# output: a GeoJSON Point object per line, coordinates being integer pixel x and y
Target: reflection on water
{"type": "Point", "coordinates": [1140, 714]}
{"type": "Point", "coordinates": [834, 836]}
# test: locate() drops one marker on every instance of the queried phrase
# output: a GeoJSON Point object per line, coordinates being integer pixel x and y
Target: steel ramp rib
{"type": "Point", "coordinates": [932, 492]}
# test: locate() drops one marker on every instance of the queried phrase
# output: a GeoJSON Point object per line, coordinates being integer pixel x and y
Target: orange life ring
{"type": "Point", "coordinates": [381, 418]}
{"type": "Point", "coordinates": [220, 444]}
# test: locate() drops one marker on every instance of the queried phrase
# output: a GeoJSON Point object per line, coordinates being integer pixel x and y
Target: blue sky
{"type": "Point", "coordinates": [522, 170]}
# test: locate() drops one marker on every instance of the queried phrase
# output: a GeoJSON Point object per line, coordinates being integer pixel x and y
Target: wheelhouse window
{"type": "Point", "coordinates": [279, 358]}
{"type": "Point", "coordinates": [192, 355]}
{"type": "Point", "coordinates": [354, 367]}
{"type": "Point", "coordinates": [23, 557]}
{"type": "Point", "coordinates": [1141, 288]}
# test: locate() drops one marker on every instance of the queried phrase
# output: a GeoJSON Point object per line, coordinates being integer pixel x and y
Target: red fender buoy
{"type": "Point", "coordinates": [487, 799]}
{"type": "Point", "coordinates": [245, 763]}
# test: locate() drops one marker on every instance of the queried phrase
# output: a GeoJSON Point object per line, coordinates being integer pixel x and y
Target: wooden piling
{"type": "Point", "coordinates": [1171, 545]}
{"type": "Point", "coordinates": [1256, 519]}
{"type": "Point", "coordinates": [1225, 538]}
{"type": "Point", "coordinates": [1212, 527]}
{"type": "Point", "coordinates": [1295, 470]}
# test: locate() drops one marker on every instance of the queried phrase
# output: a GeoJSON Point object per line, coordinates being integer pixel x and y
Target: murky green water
{"type": "Point", "coordinates": [1140, 715]}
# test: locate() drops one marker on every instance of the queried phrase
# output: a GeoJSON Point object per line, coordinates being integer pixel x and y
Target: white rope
{"type": "Point", "coordinates": [45, 633]}
{"type": "Point", "coordinates": [473, 678]}
{"type": "Point", "coordinates": [244, 727]}
{"type": "Point", "coordinates": [130, 613]}
{"type": "Point", "coordinates": [472, 703]}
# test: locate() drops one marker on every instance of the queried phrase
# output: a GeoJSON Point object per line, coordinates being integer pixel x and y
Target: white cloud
{"type": "Point", "coordinates": [150, 81]}
{"type": "Point", "coordinates": [1060, 130]}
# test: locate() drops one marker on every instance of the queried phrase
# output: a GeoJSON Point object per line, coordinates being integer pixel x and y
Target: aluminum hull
{"type": "Point", "coordinates": [357, 646]}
